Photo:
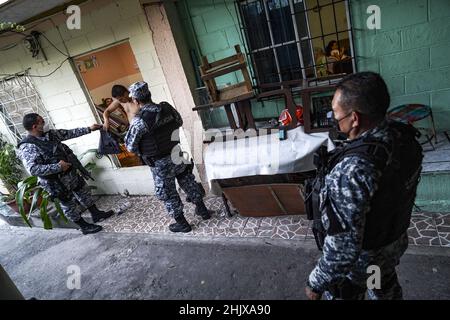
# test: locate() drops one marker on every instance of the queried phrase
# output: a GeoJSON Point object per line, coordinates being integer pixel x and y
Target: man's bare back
{"type": "Point", "coordinates": [130, 108]}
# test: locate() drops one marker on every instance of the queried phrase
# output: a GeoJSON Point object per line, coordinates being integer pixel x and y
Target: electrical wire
{"type": "Point", "coordinates": [54, 46]}
{"type": "Point", "coordinates": [37, 76]}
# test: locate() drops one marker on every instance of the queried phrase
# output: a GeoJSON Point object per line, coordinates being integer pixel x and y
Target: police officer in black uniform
{"type": "Point", "coordinates": [363, 196]}
{"type": "Point", "coordinates": [59, 171]}
{"type": "Point", "coordinates": [153, 134]}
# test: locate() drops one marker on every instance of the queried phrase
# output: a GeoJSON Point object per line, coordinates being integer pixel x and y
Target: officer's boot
{"type": "Point", "coordinates": [202, 211]}
{"type": "Point", "coordinates": [181, 225]}
{"type": "Point", "coordinates": [87, 228]}
{"type": "Point", "coordinates": [98, 215]}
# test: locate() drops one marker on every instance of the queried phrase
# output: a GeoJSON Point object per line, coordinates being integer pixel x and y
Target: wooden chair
{"type": "Point", "coordinates": [211, 70]}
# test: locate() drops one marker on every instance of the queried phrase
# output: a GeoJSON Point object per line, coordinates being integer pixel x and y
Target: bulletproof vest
{"type": "Point", "coordinates": [391, 206]}
{"type": "Point", "coordinates": [158, 142]}
{"type": "Point", "coordinates": [54, 150]}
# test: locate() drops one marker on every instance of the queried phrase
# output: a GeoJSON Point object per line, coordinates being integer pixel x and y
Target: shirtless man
{"type": "Point", "coordinates": [121, 100]}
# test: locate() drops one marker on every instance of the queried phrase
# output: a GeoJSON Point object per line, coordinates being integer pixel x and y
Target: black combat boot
{"type": "Point", "coordinates": [87, 228]}
{"type": "Point", "coordinates": [202, 211]}
{"type": "Point", "coordinates": [181, 225]}
{"type": "Point", "coordinates": [98, 215]}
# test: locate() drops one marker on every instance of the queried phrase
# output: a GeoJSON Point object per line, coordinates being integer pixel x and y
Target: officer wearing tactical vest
{"type": "Point", "coordinates": [363, 195]}
{"type": "Point", "coordinates": [59, 171]}
{"type": "Point", "coordinates": [151, 136]}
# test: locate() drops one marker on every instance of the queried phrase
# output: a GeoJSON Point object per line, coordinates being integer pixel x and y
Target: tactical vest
{"type": "Point", "coordinates": [55, 151]}
{"type": "Point", "coordinates": [391, 206]}
{"type": "Point", "coordinates": [158, 142]}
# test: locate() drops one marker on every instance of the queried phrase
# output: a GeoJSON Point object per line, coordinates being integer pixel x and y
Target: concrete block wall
{"type": "Point", "coordinates": [215, 26]}
{"type": "Point", "coordinates": [103, 23]}
{"type": "Point", "coordinates": [410, 51]}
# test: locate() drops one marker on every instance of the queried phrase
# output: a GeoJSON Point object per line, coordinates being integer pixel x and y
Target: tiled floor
{"type": "Point", "coordinates": [147, 215]}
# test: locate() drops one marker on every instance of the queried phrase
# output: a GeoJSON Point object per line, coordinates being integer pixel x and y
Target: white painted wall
{"type": "Point", "coordinates": [103, 23]}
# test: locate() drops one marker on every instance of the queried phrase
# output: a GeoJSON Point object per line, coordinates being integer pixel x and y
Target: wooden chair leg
{"type": "Point", "coordinates": [230, 117]}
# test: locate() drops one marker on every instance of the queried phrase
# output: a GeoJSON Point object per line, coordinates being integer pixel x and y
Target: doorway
{"type": "Point", "coordinates": [100, 70]}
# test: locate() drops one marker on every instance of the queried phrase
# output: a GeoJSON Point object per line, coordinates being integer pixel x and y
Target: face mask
{"type": "Point", "coordinates": [336, 133]}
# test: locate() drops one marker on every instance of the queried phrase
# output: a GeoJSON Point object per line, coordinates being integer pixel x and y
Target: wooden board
{"type": "Point", "coordinates": [266, 200]}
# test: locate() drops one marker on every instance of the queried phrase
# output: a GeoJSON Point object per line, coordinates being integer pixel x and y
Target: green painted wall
{"type": "Point", "coordinates": [411, 51]}
{"type": "Point", "coordinates": [213, 30]}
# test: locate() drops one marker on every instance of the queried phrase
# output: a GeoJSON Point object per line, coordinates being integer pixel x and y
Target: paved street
{"type": "Point", "coordinates": [151, 266]}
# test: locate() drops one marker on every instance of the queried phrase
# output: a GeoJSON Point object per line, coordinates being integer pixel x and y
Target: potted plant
{"type": "Point", "coordinates": [29, 191]}
{"type": "Point", "coordinates": [31, 196]}
{"type": "Point", "coordinates": [11, 172]}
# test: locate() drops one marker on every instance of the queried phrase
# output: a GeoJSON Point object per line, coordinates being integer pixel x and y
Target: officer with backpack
{"type": "Point", "coordinates": [362, 198]}
{"type": "Point", "coordinates": [58, 170]}
{"type": "Point", "coordinates": [153, 135]}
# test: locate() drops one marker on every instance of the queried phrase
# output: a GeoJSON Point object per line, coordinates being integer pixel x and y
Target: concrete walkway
{"type": "Point", "coordinates": [145, 266]}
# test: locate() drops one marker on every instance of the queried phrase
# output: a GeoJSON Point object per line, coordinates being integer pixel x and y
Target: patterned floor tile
{"type": "Point", "coordinates": [146, 214]}
{"type": "Point", "coordinates": [442, 222]}
{"type": "Point", "coordinates": [423, 232]}
{"type": "Point", "coordinates": [266, 231]}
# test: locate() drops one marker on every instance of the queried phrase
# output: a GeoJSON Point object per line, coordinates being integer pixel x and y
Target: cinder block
{"type": "Point", "coordinates": [158, 93]}
{"type": "Point", "coordinates": [233, 37]}
{"type": "Point", "coordinates": [145, 60]}
{"type": "Point", "coordinates": [86, 26]}
{"type": "Point", "coordinates": [403, 14]}
{"type": "Point", "coordinates": [142, 43]}
{"type": "Point", "coordinates": [100, 38]}
{"type": "Point", "coordinates": [129, 28]}
{"type": "Point", "coordinates": [59, 101]}
{"type": "Point", "coordinates": [78, 96]}
{"type": "Point", "coordinates": [105, 16]}
{"type": "Point", "coordinates": [396, 85]}
{"type": "Point", "coordinates": [435, 32]}
{"type": "Point", "coordinates": [439, 9]}
{"type": "Point", "coordinates": [78, 45]}
{"type": "Point", "coordinates": [81, 111]}
{"type": "Point", "coordinates": [405, 62]}
{"type": "Point", "coordinates": [53, 35]}
{"type": "Point", "coordinates": [199, 25]}
{"type": "Point", "coordinates": [201, 7]}
{"type": "Point", "coordinates": [129, 8]}
{"type": "Point", "coordinates": [429, 80]}
{"type": "Point", "coordinates": [440, 100]}
{"type": "Point", "coordinates": [440, 56]}
{"type": "Point", "coordinates": [213, 42]}
{"type": "Point", "coordinates": [13, 67]}
{"type": "Point", "coordinates": [217, 20]}
{"type": "Point", "coordinates": [60, 115]}
{"type": "Point", "coordinates": [368, 64]}
{"type": "Point", "coordinates": [144, 23]}
{"type": "Point", "coordinates": [423, 98]}
{"type": "Point", "coordinates": [157, 77]}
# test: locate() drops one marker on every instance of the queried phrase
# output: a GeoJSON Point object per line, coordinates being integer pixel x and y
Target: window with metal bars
{"type": "Point", "coordinates": [18, 96]}
{"type": "Point", "coordinates": [297, 39]}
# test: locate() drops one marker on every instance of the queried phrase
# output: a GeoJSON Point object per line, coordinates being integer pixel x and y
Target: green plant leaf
{"type": "Point", "coordinates": [89, 166]}
{"type": "Point", "coordinates": [36, 196]}
{"type": "Point", "coordinates": [44, 214]}
{"type": "Point", "coordinates": [20, 204]}
{"type": "Point", "coordinates": [59, 210]}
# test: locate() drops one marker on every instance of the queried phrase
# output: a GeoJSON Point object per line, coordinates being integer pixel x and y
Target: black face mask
{"type": "Point", "coordinates": [335, 132]}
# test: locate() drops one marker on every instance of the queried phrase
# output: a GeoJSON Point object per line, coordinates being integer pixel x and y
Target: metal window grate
{"type": "Point", "coordinates": [18, 97]}
{"type": "Point", "coordinates": [287, 39]}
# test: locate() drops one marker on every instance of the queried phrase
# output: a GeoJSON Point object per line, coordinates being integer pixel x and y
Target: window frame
{"type": "Point", "coordinates": [250, 52]}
